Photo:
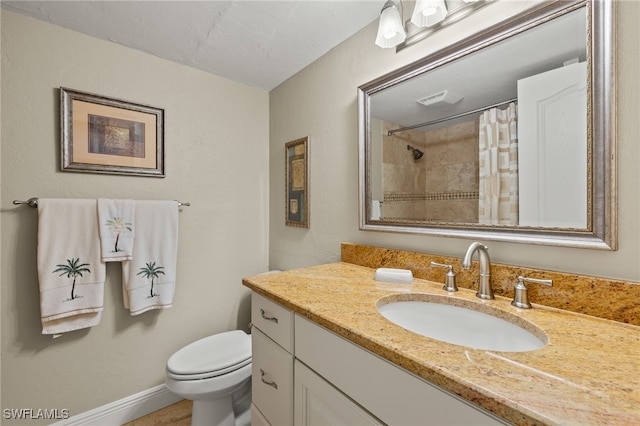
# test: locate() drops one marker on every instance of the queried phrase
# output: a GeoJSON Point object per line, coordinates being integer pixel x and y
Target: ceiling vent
{"type": "Point", "coordinates": [444, 97]}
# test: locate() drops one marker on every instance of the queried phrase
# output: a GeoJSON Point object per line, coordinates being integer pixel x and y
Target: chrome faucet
{"type": "Point", "coordinates": [484, 287]}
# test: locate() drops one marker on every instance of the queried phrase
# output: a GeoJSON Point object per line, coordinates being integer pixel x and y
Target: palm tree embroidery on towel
{"type": "Point", "coordinates": [74, 269]}
{"type": "Point", "coordinates": [118, 227]}
{"type": "Point", "coordinates": [151, 271]}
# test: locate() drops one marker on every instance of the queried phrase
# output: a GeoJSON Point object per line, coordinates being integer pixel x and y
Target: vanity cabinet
{"type": "Point", "coordinates": [323, 378]}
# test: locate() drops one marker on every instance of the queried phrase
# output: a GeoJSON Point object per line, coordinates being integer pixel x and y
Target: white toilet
{"type": "Point", "coordinates": [215, 373]}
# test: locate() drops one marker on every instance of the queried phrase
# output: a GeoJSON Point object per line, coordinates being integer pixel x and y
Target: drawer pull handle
{"type": "Point", "coordinates": [266, 382]}
{"type": "Point", "coordinates": [264, 316]}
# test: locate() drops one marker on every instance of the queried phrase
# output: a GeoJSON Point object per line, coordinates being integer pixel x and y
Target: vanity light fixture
{"type": "Point", "coordinates": [390, 29]}
{"type": "Point", "coordinates": [427, 13]}
{"type": "Point", "coordinates": [428, 17]}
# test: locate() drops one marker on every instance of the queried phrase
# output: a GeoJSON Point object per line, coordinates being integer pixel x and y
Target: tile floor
{"type": "Point", "coordinates": [178, 414]}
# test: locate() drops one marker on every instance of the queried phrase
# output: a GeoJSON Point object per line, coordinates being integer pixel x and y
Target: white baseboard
{"type": "Point", "coordinates": [124, 410]}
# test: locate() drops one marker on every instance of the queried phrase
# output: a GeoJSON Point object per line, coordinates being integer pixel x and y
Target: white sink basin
{"type": "Point", "coordinates": [435, 317]}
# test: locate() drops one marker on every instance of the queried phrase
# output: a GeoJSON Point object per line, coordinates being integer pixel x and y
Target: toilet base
{"type": "Point", "coordinates": [244, 418]}
{"type": "Point", "coordinates": [220, 412]}
{"type": "Point", "coordinates": [229, 406]}
{"type": "Point", "coordinates": [213, 412]}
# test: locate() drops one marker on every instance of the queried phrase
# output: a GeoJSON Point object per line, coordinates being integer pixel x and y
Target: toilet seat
{"type": "Point", "coordinates": [211, 356]}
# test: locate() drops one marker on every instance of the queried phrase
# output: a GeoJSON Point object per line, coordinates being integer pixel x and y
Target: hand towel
{"type": "Point", "coordinates": [70, 271]}
{"type": "Point", "coordinates": [116, 221]}
{"type": "Point", "coordinates": [149, 278]}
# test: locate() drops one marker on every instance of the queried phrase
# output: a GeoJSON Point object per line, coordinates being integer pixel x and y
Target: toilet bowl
{"type": "Point", "coordinates": [215, 373]}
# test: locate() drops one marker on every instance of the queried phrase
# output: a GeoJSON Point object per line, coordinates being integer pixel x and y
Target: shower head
{"type": "Point", "coordinates": [417, 154]}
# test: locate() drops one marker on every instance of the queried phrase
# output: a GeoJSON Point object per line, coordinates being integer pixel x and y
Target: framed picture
{"type": "Point", "coordinates": [297, 183]}
{"type": "Point", "coordinates": [103, 135]}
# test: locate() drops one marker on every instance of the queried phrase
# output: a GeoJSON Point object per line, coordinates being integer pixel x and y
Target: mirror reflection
{"type": "Point", "coordinates": [493, 134]}
{"type": "Point", "coordinates": [501, 133]}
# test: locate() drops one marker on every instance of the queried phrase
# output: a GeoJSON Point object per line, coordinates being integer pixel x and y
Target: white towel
{"type": "Point", "coordinates": [70, 271]}
{"type": "Point", "coordinates": [116, 222]}
{"type": "Point", "coordinates": [149, 279]}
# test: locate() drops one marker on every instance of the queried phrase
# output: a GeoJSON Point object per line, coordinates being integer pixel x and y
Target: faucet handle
{"type": "Point", "coordinates": [521, 295]}
{"type": "Point", "coordinates": [450, 277]}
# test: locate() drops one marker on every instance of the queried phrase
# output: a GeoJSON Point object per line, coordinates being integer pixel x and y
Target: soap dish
{"type": "Point", "coordinates": [392, 275]}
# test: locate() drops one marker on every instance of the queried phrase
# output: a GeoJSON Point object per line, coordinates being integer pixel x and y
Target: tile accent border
{"type": "Point", "coordinates": [600, 297]}
{"type": "Point", "coordinates": [435, 196]}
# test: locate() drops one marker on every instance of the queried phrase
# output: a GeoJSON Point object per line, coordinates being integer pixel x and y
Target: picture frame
{"type": "Point", "coordinates": [297, 183]}
{"type": "Point", "coordinates": [110, 136]}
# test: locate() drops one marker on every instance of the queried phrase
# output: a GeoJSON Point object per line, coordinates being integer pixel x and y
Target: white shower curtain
{"type": "Point", "coordinates": [498, 190]}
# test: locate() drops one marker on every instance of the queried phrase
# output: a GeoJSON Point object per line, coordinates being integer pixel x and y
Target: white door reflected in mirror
{"type": "Point", "coordinates": [552, 160]}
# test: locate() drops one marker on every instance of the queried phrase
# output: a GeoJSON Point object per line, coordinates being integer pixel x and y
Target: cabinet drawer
{"type": "Point", "coordinates": [272, 380]}
{"type": "Point", "coordinates": [273, 320]}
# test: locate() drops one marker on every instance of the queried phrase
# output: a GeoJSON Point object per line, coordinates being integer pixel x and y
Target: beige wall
{"type": "Point", "coordinates": [216, 136]}
{"type": "Point", "coordinates": [320, 102]}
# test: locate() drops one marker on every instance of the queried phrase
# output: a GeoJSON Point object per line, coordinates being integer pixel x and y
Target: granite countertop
{"type": "Point", "coordinates": [588, 373]}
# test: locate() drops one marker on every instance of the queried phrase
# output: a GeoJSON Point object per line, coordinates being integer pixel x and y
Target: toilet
{"type": "Point", "coordinates": [215, 373]}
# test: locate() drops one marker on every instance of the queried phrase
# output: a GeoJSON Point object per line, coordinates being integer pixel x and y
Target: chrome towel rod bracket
{"type": "Point", "coordinates": [33, 202]}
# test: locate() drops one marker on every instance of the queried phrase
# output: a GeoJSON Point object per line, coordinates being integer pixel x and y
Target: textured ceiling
{"type": "Point", "coordinates": [259, 43]}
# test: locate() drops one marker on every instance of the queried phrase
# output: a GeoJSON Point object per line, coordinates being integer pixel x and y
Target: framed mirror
{"type": "Point", "coordinates": [508, 135]}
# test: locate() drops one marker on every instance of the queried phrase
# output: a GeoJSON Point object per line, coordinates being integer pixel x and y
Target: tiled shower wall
{"type": "Point", "coordinates": [440, 186]}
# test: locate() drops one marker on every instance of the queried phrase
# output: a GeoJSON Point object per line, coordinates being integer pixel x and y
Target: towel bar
{"type": "Point", "coordinates": [33, 202]}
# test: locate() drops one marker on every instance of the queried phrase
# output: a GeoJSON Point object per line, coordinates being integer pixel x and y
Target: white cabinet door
{"type": "Point", "coordinates": [389, 393]}
{"type": "Point", "coordinates": [552, 148]}
{"type": "Point", "coordinates": [272, 379]}
{"type": "Point", "coordinates": [318, 403]}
